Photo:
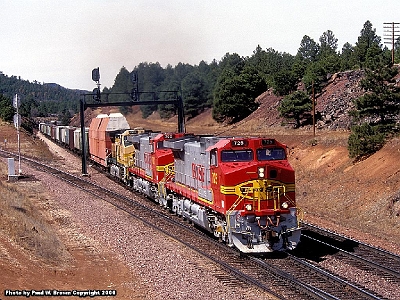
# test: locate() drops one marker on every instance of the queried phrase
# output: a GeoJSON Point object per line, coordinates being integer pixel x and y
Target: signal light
{"type": "Point", "coordinates": [96, 96]}
{"type": "Point", "coordinates": [96, 75]}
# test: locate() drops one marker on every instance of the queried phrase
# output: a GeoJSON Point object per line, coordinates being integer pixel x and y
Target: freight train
{"type": "Point", "coordinates": [240, 189]}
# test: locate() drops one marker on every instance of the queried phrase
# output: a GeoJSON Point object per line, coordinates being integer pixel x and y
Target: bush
{"type": "Point", "coordinates": [365, 140]}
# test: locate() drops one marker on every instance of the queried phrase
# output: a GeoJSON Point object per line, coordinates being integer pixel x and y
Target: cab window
{"type": "Point", "coordinates": [160, 145]}
{"type": "Point", "coordinates": [236, 155]}
{"type": "Point", "coordinates": [127, 142]}
{"type": "Point", "coordinates": [271, 154]}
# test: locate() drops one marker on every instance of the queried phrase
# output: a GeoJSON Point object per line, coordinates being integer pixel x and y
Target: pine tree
{"type": "Point", "coordinates": [367, 39]}
{"type": "Point", "coordinates": [235, 94]}
{"type": "Point", "coordinates": [6, 109]}
{"type": "Point", "coordinates": [364, 141]}
{"type": "Point", "coordinates": [328, 44]}
{"type": "Point", "coordinates": [295, 106]}
{"type": "Point", "coordinates": [377, 109]}
{"type": "Point", "coordinates": [381, 102]}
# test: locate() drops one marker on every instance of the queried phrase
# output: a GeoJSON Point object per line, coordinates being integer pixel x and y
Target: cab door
{"type": "Point", "coordinates": [215, 177]}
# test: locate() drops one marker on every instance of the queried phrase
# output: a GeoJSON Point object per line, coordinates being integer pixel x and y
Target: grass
{"type": "Point", "coordinates": [26, 225]}
{"type": "Point", "coordinates": [30, 145]}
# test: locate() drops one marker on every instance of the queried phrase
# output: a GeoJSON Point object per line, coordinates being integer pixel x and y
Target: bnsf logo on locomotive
{"type": "Point", "coordinates": [147, 160]}
{"type": "Point", "coordinates": [198, 172]}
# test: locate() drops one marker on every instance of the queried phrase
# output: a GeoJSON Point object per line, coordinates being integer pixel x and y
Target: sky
{"type": "Point", "coordinates": [53, 41]}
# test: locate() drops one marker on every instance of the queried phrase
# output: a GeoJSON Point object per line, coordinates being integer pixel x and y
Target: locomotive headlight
{"type": "Point", "coordinates": [261, 172]}
{"type": "Point", "coordinates": [248, 207]}
{"type": "Point", "coordinates": [285, 205]}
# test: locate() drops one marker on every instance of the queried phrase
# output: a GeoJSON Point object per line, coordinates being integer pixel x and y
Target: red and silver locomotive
{"type": "Point", "coordinates": [240, 189]}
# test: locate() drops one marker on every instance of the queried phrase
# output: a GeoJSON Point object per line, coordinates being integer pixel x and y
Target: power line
{"type": "Point", "coordinates": [392, 35]}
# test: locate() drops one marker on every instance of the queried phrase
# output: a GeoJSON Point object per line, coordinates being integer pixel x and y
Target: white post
{"type": "Point", "coordinates": [17, 121]}
{"type": "Point", "coordinates": [19, 151]}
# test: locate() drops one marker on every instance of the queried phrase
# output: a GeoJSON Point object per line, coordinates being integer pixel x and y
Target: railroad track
{"type": "Point", "coordinates": [357, 253]}
{"type": "Point", "coordinates": [285, 278]}
{"type": "Point", "coordinates": [328, 285]}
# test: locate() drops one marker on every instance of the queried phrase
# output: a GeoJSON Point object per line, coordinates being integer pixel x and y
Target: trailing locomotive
{"type": "Point", "coordinates": [242, 190]}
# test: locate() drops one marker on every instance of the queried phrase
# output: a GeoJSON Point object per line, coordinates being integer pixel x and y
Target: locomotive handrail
{"type": "Point", "coordinates": [300, 211]}
{"type": "Point", "coordinates": [231, 209]}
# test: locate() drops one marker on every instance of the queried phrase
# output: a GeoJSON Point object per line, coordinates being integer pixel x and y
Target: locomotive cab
{"type": "Point", "coordinates": [253, 186]}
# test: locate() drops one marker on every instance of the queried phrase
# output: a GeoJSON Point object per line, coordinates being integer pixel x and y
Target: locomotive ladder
{"type": "Point", "coordinates": [169, 173]}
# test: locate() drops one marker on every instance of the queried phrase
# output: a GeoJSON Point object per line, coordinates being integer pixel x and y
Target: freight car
{"type": "Point", "coordinates": [102, 131]}
{"type": "Point", "coordinates": [241, 190]}
{"type": "Point", "coordinates": [68, 136]}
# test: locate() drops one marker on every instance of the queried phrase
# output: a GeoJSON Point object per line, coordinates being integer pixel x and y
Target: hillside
{"type": "Point", "coordinates": [39, 98]}
{"type": "Point", "coordinates": [332, 105]}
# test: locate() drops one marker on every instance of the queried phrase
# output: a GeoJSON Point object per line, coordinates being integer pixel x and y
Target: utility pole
{"type": "Point", "coordinates": [392, 34]}
{"type": "Point", "coordinates": [313, 108]}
